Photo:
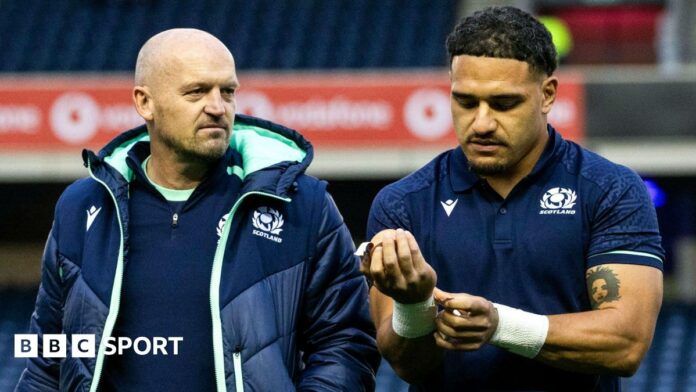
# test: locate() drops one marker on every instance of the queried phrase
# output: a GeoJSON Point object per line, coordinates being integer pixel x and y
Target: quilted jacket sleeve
{"type": "Point", "coordinates": [42, 374]}
{"type": "Point", "coordinates": [338, 335]}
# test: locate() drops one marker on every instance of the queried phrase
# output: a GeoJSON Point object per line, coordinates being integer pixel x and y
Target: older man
{"type": "Point", "coordinates": [208, 234]}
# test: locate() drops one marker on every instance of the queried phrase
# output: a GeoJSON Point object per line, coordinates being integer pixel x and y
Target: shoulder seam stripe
{"type": "Point", "coordinates": [628, 252]}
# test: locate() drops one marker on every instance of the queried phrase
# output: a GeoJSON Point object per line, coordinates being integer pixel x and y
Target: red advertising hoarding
{"type": "Point", "coordinates": [346, 110]}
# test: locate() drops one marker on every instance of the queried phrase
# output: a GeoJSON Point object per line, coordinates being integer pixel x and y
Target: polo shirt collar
{"type": "Point", "coordinates": [462, 179]}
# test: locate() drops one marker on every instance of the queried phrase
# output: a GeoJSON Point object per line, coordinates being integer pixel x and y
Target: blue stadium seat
{"type": "Point", "coordinates": [105, 35]}
{"type": "Point", "coordinates": [15, 312]}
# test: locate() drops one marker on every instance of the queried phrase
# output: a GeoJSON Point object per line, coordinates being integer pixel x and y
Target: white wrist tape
{"type": "Point", "coordinates": [520, 332]}
{"type": "Point", "coordinates": [414, 320]}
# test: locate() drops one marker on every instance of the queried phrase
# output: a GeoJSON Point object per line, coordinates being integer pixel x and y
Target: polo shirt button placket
{"type": "Point", "coordinates": [502, 211]}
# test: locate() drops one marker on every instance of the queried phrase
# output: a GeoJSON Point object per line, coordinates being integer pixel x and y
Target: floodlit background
{"type": "Point", "coordinates": [366, 81]}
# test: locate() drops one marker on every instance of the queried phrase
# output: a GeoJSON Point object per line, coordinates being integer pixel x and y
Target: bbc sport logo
{"type": "Point", "coordinates": [84, 345]}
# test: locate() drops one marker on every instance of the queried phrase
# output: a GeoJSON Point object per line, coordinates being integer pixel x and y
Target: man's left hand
{"type": "Point", "coordinates": [466, 323]}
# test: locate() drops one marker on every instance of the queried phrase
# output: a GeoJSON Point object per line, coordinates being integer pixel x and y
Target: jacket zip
{"type": "Point", "coordinates": [238, 378]}
{"type": "Point", "coordinates": [115, 291]}
{"type": "Point", "coordinates": [218, 354]}
{"type": "Point", "coordinates": [114, 305]}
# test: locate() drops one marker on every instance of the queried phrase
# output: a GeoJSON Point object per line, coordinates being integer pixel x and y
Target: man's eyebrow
{"type": "Point", "coordinates": [506, 97]}
{"type": "Point", "coordinates": [191, 85]}
{"type": "Point", "coordinates": [459, 95]}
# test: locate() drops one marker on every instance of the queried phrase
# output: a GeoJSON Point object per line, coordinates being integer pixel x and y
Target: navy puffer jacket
{"type": "Point", "coordinates": [287, 315]}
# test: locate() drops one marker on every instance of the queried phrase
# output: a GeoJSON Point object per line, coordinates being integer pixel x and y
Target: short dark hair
{"type": "Point", "coordinates": [504, 32]}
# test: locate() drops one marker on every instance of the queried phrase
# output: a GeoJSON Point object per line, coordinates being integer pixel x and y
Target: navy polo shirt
{"type": "Point", "coordinates": [574, 211]}
{"type": "Point", "coordinates": [166, 280]}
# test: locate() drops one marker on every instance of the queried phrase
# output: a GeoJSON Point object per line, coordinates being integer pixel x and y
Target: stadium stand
{"type": "Point", "coordinates": [81, 35]}
{"type": "Point", "coordinates": [15, 310]}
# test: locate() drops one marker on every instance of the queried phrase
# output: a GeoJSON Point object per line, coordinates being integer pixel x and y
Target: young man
{"type": "Point", "coordinates": [203, 228]}
{"type": "Point", "coordinates": [509, 226]}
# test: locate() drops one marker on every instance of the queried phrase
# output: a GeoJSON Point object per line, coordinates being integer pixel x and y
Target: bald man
{"type": "Point", "coordinates": [197, 255]}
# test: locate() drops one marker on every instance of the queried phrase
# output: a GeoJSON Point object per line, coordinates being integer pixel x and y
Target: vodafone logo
{"type": "Point", "coordinates": [427, 113]}
{"type": "Point", "coordinates": [255, 104]}
{"type": "Point", "coordinates": [318, 113]}
{"type": "Point", "coordinates": [74, 117]}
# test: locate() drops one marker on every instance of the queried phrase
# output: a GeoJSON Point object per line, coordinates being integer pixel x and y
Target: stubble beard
{"type": "Point", "coordinates": [192, 150]}
{"type": "Point", "coordinates": [488, 169]}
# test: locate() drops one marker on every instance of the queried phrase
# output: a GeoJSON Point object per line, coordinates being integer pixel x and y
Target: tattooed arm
{"type": "Point", "coordinates": [614, 337]}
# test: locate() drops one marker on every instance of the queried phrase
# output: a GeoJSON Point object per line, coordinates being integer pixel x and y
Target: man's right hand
{"type": "Point", "coordinates": [397, 267]}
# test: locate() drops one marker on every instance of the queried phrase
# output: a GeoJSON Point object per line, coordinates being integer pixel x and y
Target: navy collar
{"type": "Point", "coordinates": [141, 150]}
{"type": "Point", "coordinates": [462, 179]}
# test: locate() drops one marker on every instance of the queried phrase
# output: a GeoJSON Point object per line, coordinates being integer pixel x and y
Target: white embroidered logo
{"type": "Point", "coordinates": [449, 205]}
{"type": "Point", "coordinates": [221, 225]}
{"type": "Point", "coordinates": [92, 215]}
{"type": "Point", "coordinates": [558, 201]}
{"type": "Point", "coordinates": [269, 223]}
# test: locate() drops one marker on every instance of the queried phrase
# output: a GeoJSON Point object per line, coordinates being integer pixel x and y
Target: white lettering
{"type": "Point", "coordinates": [110, 348]}
{"type": "Point", "coordinates": [319, 114]}
{"type": "Point", "coordinates": [267, 236]}
{"type": "Point", "coordinates": [119, 117]}
{"type": "Point", "coordinates": [338, 112]}
{"type": "Point", "coordinates": [54, 346]}
{"type": "Point", "coordinates": [124, 343]}
{"type": "Point", "coordinates": [83, 345]}
{"type": "Point", "coordinates": [136, 346]}
{"type": "Point", "coordinates": [557, 212]}
{"type": "Point", "coordinates": [80, 350]}
{"type": "Point", "coordinates": [159, 343]}
{"type": "Point", "coordinates": [19, 119]}
{"type": "Point", "coordinates": [26, 346]}
{"type": "Point", "coordinates": [176, 341]}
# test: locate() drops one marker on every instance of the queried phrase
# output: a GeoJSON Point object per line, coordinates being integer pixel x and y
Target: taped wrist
{"type": "Point", "coordinates": [520, 332]}
{"type": "Point", "coordinates": [414, 320]}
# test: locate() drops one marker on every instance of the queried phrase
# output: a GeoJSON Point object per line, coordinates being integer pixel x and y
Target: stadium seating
{"type": "Point", "coordinates": [15, 311]}
{"type": "Point", "coordinates": [670, 365]}
{"type": "Point", "coordinates": [81, 35]}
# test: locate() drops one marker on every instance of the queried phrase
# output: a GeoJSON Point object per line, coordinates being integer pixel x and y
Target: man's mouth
{"type": "Point", "coordinates": [214, 125]}
{"type": "Point", "coordinates": [485, 145]}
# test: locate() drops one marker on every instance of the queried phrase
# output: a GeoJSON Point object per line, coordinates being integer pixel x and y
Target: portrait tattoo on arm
{"type": "Point", "coordinates": [603, 286]}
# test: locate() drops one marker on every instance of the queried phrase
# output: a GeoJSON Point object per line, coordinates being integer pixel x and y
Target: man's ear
{"type": "Point", "coordinates": [143, 102]}
{"type": "Point", "coordinates": [548, 87]}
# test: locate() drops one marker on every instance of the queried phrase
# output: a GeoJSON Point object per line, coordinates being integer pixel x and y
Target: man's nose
{"type": "Point", "coordinates": [484, 122]}
{"type": "Point", "coordinates": [215, 104]}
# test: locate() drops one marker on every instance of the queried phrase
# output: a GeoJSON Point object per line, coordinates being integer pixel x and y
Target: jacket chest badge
{"type": "Point", "coordinates": [267, 223]}
{"type": "Point", "coordinates": [221, 225]}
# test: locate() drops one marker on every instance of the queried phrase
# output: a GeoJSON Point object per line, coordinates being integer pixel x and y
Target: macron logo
{"type": "Point", "coordinates": [91, 215]}
{"type": "Point", "coordinates": [449, 205]}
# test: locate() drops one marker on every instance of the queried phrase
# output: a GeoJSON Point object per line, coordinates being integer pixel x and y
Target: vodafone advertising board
{"type": "Point", "coordinates": [343, 110]}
